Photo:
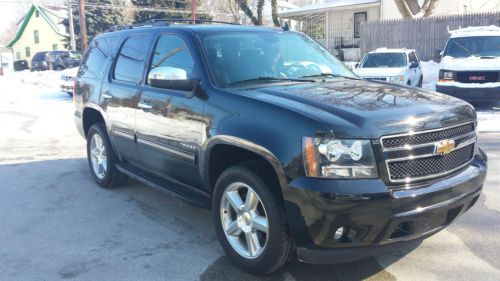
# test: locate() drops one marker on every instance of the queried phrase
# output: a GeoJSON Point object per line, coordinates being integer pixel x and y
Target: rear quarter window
{"type": "Point", "coordinates": [95, 57]}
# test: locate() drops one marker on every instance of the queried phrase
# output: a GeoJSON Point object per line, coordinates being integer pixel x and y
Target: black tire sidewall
{"type": "Point", "coordinates": [273, 255]}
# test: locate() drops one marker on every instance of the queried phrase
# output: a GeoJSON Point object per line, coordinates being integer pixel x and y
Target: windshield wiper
{"type": "Point", "coordinates": [269, 79]}
{"type": "Point", "coordinates": [488, 57]}
{"type": "Point", "coordinates": [324, 74]}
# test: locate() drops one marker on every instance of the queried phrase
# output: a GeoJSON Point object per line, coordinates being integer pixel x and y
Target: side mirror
{"type": "Point", "coordinates": [167, 77]}
{"type": "Point", "coordinates": [356, 65]}
{"type": "Point", "coordinates": [414, 65]}
{"type": "Point", "coordinates": [438, 55]}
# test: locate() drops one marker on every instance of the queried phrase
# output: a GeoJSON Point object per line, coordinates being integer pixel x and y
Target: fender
{"type": "Point", "coordinates": [206, 148]}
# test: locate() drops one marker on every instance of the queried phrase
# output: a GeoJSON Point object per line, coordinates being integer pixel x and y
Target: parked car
{"type": "Point", "coordinates": [400, 66]}
{"type": "Point", "coordinates": [56, 60]}
{"type": "Point", "coordinates": [20, 65]}
{"type": "Point", "coordinates": [470, 67]}
{"type": "Point", "coordinates": [68, 79]}
{"type": "Point", "coordinates": [295, 155]}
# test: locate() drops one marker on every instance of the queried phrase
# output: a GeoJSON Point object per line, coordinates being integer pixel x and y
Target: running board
{"type": "Point", "coordinates": [175, 188]}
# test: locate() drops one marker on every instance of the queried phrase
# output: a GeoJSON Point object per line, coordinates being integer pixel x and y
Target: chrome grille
{"type": "Point", "coordinates": [415, 156]}
{"type": "Point", "coordinates": [433, 165]}
{"type": "Point", "coordinates": [421, 138]}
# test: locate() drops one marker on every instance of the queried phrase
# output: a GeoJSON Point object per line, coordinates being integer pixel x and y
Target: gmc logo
{"type": "Point", "coordinates": [477, 78]}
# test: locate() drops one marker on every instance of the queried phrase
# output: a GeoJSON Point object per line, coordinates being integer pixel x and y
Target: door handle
{"type": "Point", "coordinates": [144, 105]}
{"type": "Point", "coordinates": [106, 95]}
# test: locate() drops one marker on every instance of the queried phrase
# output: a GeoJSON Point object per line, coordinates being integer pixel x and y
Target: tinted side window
{"type": "Point", "coordinates": [172, 51]}
{"type": "Point", "coordinates": [92, 62]}
{"type": "Point", "coordinates": [131, 60]}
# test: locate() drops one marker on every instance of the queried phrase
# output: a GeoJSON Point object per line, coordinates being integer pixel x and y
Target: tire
{"type": "Point", "coordinates": [105, 173]}
{"type": "Point", "coordinates": [420, 82]}
{"type": "Point", "coordinates": [58, 68]}
{"type": "Point", "coordinates": [277, 246]}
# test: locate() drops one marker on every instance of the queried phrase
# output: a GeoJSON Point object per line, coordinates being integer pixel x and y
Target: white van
{"type": "Point", "coordinates": [470, 65]}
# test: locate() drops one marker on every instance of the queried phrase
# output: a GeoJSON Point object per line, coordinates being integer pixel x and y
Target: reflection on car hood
{"type": "Point", "coordinates": [363, 109]}
{"type": "Point", "coordinates": [380, 71]}
{"type": "Point", "coordinates": [470, 63]}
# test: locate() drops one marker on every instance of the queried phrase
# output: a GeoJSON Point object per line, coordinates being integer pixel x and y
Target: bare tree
{"type": "Point", "coordinates": [412, 8]}
{"type": "Point", "coordinates": [258, 19]}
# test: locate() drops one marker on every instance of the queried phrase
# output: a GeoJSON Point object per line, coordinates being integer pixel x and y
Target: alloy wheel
{"type": "Point", "coordinates": [244, 220]}
{"type": "Point", "coordinates": [98, 156]}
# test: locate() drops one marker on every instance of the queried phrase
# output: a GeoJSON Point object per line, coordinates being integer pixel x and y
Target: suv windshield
{"type": "Point", "coordinates": [269, 57]}
{"type": "Point", "coordinates": [384, 60]}
{"type": "Point", "coordinates": [479, 46]}
{"type": "Point", "coordinates": [75, 55]}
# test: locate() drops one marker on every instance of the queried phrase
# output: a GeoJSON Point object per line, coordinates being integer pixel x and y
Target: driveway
{"type": "Point", "coordinates": [55, 223]}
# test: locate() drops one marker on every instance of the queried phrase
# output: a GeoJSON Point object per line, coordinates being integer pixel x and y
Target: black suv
{"type": "Point", "coordinates": [56, 60]}
{"type": "Point", "coordinates": [295, 155]}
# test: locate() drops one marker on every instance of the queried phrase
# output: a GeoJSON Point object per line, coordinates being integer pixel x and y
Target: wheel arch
{"type": "Point", "coordinates": [240, 150]}
{"type": "Point", "coordinates": [90, 116]}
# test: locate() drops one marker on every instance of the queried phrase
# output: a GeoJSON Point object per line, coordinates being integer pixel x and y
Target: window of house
{"type": "Point", "coordinates": [37, 14]}
{"type": "Point", "coordinates": [18, 55]}
{"type": "Point", "coordinates": [172, 51]}
{"type": "Point", "coordinates": [54, 47]}
{"type": "Point", "coordinates": [131, 60]}
{"type": "Point", "coordinates": [359, 18]}
{"type": "Point", "coordinates": [28, 52]}
{"type": "Point", "coordinates": [37, 36]}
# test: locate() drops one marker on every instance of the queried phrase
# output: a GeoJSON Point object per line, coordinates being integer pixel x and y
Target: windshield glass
{"type": "Point", "coordinates": [384, 60]}
{"type": "Point", "coordinates": [479, 46]}
{"type": "Point", "coordinates": [236, 57]}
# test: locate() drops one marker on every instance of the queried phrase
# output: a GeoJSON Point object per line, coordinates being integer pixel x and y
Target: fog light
{"type": "Point", "coordinates": [339, 233]}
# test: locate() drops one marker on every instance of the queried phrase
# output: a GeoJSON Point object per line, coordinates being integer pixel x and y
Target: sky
{"type": "Point", "coordinates": [13, 10]}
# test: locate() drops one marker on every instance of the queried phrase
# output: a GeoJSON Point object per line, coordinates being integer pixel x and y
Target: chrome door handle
{"type": "Point", "coordinates": [144, 105]}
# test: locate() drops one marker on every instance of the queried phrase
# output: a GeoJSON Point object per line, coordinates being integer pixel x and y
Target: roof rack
{"type": "Point", "coordinates": [164, 22]}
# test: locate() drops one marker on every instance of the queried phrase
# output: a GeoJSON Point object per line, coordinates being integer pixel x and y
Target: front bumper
{"type": "Point", "coordinates": [378, 220]}
{"type": "Point", "coordinates": [471, 94]}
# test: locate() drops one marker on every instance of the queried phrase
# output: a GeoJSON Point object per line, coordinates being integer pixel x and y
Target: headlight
{"type": "Point", "coordinates": [398, 79]}
{"type": "Point", "coordinates": [333, 158]}
{"type": "Point", "coordinates": [446, 75]}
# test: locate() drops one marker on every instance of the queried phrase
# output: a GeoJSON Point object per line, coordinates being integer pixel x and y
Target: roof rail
{"type": "Point", "coordinates": [168, 21]}
{"type": "Point", "coordinates": [164, 22]}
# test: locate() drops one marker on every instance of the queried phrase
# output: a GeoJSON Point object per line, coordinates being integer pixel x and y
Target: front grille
{"type": "Point", "coordinates": [377, 78]}
{"type": "Point", "coordinates": [434, 165]}
{"type": "Point", "coordinates": [422, 138]}
{"type": "Point", "coordinates": [477, 77]}
{"type": "Point", "coordinates": [420, 156]}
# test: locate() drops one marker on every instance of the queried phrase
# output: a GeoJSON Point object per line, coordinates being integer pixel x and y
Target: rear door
{"type": "Point", "coordinates": [120, 93]}
{"type": "Point", "coordinates": [170, 126]}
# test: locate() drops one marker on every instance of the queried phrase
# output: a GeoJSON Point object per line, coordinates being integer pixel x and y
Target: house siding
{"type": "Point", "coordinates": [47, 38]}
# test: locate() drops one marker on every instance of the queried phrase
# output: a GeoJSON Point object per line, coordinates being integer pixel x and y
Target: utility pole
{"type": "Point", "coordinates": [72, 42]}
{"type": "Point", "coordinates": [193, 11]}
{"type": "Point", "coordinates": [83, 24]}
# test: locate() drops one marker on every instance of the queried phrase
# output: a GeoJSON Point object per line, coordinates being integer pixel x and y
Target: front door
{"type": "Point", "coordinates": [120, 95]}
{"type": "Point", "coordinates": [170, 126]}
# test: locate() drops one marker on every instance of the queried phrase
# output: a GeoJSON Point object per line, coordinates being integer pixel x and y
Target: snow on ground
{"type": "Point", "coordinates": [28, 102]}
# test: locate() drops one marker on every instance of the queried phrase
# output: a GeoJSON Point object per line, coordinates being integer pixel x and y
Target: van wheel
{"type": "Point", "coordinates": [102, 159]}
{"type": "Point", "coordinates": [250, 222]}
{"type": "Point", "coordinates": [58, 68]}
{"type": "Point", "coordinates": [420, 82]}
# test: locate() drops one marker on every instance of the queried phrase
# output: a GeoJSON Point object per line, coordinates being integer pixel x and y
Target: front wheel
{"type": "Point", "coordinates": [250, 222]}
{"type": "Point", "coordinates": [102, 159]}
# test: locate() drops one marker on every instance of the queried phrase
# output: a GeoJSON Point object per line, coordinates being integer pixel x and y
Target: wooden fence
{"type": "Point", "coordinates": [427, 35]}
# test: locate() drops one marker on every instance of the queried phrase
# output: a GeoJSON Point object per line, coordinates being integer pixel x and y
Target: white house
{"type": "Point", "coordinates": [336, 23]}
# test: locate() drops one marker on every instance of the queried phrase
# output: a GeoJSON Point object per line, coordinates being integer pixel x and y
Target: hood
{"type": "Point", "coordinates": [364, 109]}
{"type": "Point", "coordinates": [380, 71]}
{"type": "Point", "coordinates": [470, 63]}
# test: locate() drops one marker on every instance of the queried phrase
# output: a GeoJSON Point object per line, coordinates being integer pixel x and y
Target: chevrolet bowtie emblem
{"type": "Point", "coordinates": [444, 147]}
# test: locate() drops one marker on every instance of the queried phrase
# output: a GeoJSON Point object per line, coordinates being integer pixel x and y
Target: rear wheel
{"type": "Point", "coordinates": [251, 222]}
{"type": "Point", "coordinates": [102, 159]}
{"type": "Point", "coordinates": [420, 82]}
